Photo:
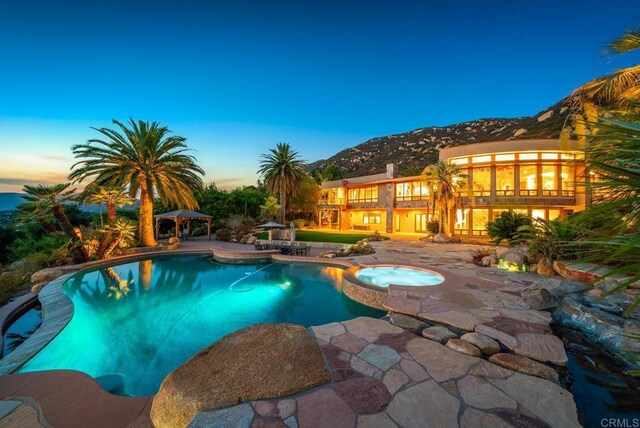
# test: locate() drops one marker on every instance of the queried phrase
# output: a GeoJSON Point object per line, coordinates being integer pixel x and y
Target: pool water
{"type": "Point", "coordinates": [383, 276]}
{"type": "Point", "coordinates": [136, 322]}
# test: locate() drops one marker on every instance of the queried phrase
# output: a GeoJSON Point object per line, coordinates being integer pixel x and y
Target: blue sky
{"type": "Point", "coordinates": [237, 77]}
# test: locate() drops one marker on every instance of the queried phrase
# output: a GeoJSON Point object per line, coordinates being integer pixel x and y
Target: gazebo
{"type": "Point", "coordinates": [183, 215]}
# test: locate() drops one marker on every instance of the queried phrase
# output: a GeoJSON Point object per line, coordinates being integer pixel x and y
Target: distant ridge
{"type": "Point", "coordinates": [413, 150]}
{"type": "Point", "coordinates": [9, 201]}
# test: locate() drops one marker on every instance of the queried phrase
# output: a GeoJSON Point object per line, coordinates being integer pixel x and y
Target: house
{"type": "Point", "coordinates": [536, 177]}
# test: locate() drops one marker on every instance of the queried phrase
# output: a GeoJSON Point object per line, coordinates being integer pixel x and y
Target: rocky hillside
{"type": "Point", "coordinates": [413, 150]}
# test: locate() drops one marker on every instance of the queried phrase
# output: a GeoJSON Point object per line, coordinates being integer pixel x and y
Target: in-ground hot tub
{"type": "Point", "coordinates": [383, 276]}
{"type": "Point", "coordinates": [370, 285]}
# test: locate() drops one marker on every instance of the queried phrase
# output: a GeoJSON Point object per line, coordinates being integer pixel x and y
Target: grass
{"type": "Point", "coordinates": [314, 236]}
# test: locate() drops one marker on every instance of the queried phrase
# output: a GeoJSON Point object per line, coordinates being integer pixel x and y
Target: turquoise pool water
{"type": "Point", "coordinates": [136, 322]}
{"type": "Point", "coordinates": [383, 276]}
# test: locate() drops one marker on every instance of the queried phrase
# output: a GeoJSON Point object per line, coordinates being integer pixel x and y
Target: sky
{"type": "Point", "coordinates": [237, 77]}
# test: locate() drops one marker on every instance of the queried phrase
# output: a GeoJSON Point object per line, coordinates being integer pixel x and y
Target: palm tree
{"type": "Point", "coordinates": [143, 157]}
{"type": "Point", "coordinates": [283, 172]}
{"type": "Point", "coordinates": [446, 181]}
{"type": "Point", "coordinates": [620, 88]}
{"type": "Point", "coordinates": [38, 211]}
{"type": "Point", "coordinates": [53, 197]}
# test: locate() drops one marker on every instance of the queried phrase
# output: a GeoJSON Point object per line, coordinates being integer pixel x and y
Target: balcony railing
{"type": "Point", "coordinates": [410, 198]}
{"type": "Point", "coordinates": [331, 201]}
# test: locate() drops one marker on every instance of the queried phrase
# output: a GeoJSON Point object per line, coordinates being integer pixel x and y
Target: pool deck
{"type": "Point", "coordinates": [381, 375]}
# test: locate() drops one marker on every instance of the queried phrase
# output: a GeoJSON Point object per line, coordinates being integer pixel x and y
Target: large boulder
{"type": "Point", "coordinates": [516, 256]}
{"type": "Point", "coordinates": [46, 275]}
{"type": "Point", "coordinates": [441, 238]}
{"type": "Point", "coordinates": [524, 365]}
{"type": "Point", "coordinates": [261, 361]}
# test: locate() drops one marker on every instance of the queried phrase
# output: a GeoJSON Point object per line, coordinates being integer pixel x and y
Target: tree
{"type": "Point", "coordinates": [620, 88]}
{"type": "Point", "coordinates": [282, 171]}
{"type": "Point", "coordinates": [305, 202]}
{"type": "Point", "coordinates": [121, 230]}
{"type": "Point", "coordinates": [53, 197]}
{"type": "Point", "coordinates": [446, 183]}
{"type": "Point", "coordinates": [330, 173]}
{"type": "Point", "coordinates": [270, 209]}
{"type": "Point", "coordinates": [112, 197]}
{"type": "Point", "coordinates": [145, 158]}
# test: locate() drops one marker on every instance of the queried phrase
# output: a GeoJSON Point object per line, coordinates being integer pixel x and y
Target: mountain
{"type": "Point", "coordinates": [9, 202]}
{"type": "Point", "coordinates": [414, 150]}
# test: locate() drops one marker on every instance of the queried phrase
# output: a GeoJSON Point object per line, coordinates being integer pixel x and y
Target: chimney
{"type": "Point", "coordinates": [392, 170]}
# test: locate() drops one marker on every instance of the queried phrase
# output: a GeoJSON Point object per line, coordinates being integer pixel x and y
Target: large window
{"type": "Point", "coordinates": [332, 196]}
{"type": "Point", "coordinates": [480, 220]}
{"type": "Point", "coordinates": [363, 194]}
{"type": "Point", "coordinates": [528, 180]}
{"type": "Point", "coordinates": [568, 175]}
{"type": "Point", "coordinates": [549, 180]}
{"type": "Point", "coordinates": [505, 180]}
{"type": "Point", "coordinates": [371, 218]}
{"type": "Point", "coordinates": [412, 191]}
{"type": "Point", "coordinates": [461, 226]}
{"type": "Point", "coordinates": [421, 223]}
{"type": "Point", "coordinates": [482, 181]}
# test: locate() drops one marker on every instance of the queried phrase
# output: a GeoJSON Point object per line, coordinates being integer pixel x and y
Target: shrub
{"type": "Point", "coordinates": [551, 239]}
{"type": "Point", "coordinates": [433, 227]}
{"type": "Point", "coordinates": [300, 223]}
{"type": "Point", "coordinates": [505, 227]}
{"type": "Point", "coordinates": [223, 234]}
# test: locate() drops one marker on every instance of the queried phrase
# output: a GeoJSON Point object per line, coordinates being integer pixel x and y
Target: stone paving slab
{"type": "Point", "coordinates": [424, 384]}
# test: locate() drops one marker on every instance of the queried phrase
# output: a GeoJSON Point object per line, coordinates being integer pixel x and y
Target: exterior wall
{"type": "Point", "coordinates": [404, 220]}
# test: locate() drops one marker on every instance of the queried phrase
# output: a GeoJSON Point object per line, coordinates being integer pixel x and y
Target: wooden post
{"type": "Point", "coordinates": [157, 228]}
{"type": "Point", "coordinates": [177, 227]}
{"type": "Point", "coordinates": [209, 228]}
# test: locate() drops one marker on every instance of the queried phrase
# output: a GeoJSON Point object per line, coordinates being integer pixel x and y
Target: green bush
{"type": "Point", "coordinates": [223, 234]}
{"type": "Point", "coordinates": [299, 223]}
{"type": "Point", "coordinates": [433, 227]}
{"type": "Point", "coordinates": [505, 227]}
{"type": "Point", "coordinates": [551, 239]}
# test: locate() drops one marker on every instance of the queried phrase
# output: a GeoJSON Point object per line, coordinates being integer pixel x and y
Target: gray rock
{"type": "Point", "coordinates": [540, 299]}
{"type": "Point", "coordinates": [558, 287]}
{"type": "Point", "coordinates": [438, 333]}
{"type": "Point", "coordinates": [441, 238]}
{"type": "Point", "coordinates": [545, 268]}
{"type": "Point", "coordinates": [408, 323]}
{"type": "Point", "coordinates": [489, 260]}
{"type": "Point", "coordinates": [487, 345]}
{"type": "Point", "coordinates": [524, 365]}
{"type": "Point", "coordinates": [46, 275]}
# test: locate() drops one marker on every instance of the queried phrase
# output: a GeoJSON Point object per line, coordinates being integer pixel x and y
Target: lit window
{"type": "Point", "coordinates": [549, 180]}
{"type": "Point", "coordinates": [505, 157]}
{"type": "Point", "coordinates": [528, 180]}
{"type": "Point", "coordinates": [480, 220]}
{"type": "Point", "coordinates": [412, 191]}
{"type": "Point", "coordinates": [461, 225]}
{"type": "Point", "coordinates": [371, 218]}
{"type": "Point", "coordinates": [550, 156]}
{"type": "Point", "coordinates": [528, 156]}
{"type": "Point", "coordinates": [567, 156]}
{"type": "Point", "coordinates": [363, 194]}
{"type": "Point", "coordinates": [568, 174]}
{"type": "Point", "coordinates": [495, 213]}
{"type": "Point", "coordinates": [482, 181]}
{"type": "Point", "coordinates": [421, 223]}
{"type": "Point", "coordinates": [481, 159]}
{"type": "Point", "coordinates": [459, 161]}
{"type": "Point", "coordinates": [505, 180]}
{"type": "Point", "coordinates": [541, 214]}
{"type": "Point", "coordinates": [554, 214]}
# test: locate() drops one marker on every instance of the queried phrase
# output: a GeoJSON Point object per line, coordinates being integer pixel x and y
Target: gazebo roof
{"type": "Point", "coordinates": [182, 214]}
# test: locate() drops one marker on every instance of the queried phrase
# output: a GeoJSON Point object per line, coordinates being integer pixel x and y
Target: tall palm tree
{"type": "Point", "coordinates": [53, 197]}
{"type": "Point", "coordinates": [447, 182]}
{"type": "Point", "coordinates": [38, 211]}
{"type": "Point", "coordinates": [283, 172]}
{"type": "Point", "coordinates": [145, 158]}
{"type": "Point", "coordinates": [620, 88]}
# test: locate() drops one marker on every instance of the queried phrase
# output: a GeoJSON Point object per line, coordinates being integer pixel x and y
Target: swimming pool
{"type": "Point", "coordinates": [383, 276]}
{"type": "Point", "coordinates": [136, 322]}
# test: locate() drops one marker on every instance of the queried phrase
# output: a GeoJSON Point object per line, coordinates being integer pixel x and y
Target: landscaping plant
{"type": "Point", "coordinates": [505, 227]}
